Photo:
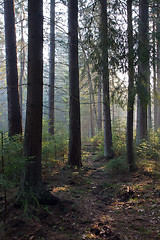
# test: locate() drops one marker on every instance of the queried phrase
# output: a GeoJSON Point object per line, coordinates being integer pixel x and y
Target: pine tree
{"type": "Point", "coordinates": [52, 67]}
{"type": "Point", "coordinates": [74, 155]}
{"type": "Point", "coordinates": [108, 151]}
{"type": "Point", "coordinates": [143, 70]}
{"type": "Point", "coordinates": [33, 129]}
{"type": "Point", "coordinates": [14, 113]}
{"type": "Point", "coordinates": [131, 92]}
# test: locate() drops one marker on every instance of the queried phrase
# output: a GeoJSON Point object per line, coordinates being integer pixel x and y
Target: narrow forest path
{"type": "Point", "coordinates": [113, 207]}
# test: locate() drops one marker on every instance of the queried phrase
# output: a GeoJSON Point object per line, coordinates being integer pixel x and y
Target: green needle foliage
{"type": "Point", "coordinates": [12, 161]}
{"type": "Point", "coordinates": [54, 147]}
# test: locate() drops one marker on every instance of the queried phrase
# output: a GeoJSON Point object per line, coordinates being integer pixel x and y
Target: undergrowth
{"type": "Point", "coordinates": [12, 161]}
{"type": "Point", "coordinates": [147, 153]}
{"type": "Point", "coordinates": [54, 147]}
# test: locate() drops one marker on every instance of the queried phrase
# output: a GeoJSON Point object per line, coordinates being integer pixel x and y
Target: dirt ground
{"type": "Point", "coordinates": [102, 206]}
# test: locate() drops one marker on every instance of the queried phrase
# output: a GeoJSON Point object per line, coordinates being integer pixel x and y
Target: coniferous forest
{"type": "Point", "coordinates": [80, 119]}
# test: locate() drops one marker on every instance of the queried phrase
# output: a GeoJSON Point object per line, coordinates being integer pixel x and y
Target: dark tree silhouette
{"type": "Point", "coordinates": [74, 157]}
{"type": "Point", "coordinates": [131, 91]}
{"type": "Point", "coordinates": [14, 113]}
{"type": "Point", "coordinates": [33, 128]}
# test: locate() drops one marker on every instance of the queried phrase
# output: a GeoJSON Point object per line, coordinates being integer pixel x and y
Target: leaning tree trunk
{"type": "Point", "coordinates": [131, 92]}
{"type": "Point", "coordinates": [144, 74]}
{"type": "Point", "coordinates": [14, 113]}
{"type": "Point", "coordinates": [74, 155]}
{"type": "Point", "coordinates": [108, 152]}
{"type": "Point", "coordinates": [52, 68]}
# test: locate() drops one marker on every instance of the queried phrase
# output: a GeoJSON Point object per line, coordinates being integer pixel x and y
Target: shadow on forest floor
{"type": "Point", "coordinates": [105, 207]}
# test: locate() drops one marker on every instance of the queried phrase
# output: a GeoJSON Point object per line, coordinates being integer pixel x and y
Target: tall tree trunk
{"type": "Point", "coordinates": [113, 104]}
{"type": "Point", "coordinates": [144, 73]}
{"type": "Point", "coordinates": [99, 104]}
{"type": "Point", "coordinates": [52, 68]}
{"type": "Point", "coordinates": [92, 97]}
{"type": "Point", "coordinates": [22, 65]}
{"type": "Point", "coordinates": [91, 93]}
{"type": "Point", "coordinates": [90, 105]}
{"type": "Point", "coordinates": [154, 71]}
{"type": "Point", "coordinates": [138, 121]}
{"type": "Point", "coordinates": [149, 116]}
{"type": "Point", "coordinates": [93, 101]}
{"type": "Point", "coordinates": [14, 113]}
{"type": "Point", "coordinates": [131, 92]}
{"type": "Point", "coordinates": [158, 64]}
{"type": "Point", "coordinates": [108, 152]}
{"type": "Point", "coordinates": [74, 156]}
{"type": "Point", "coordinates": [33, 129]}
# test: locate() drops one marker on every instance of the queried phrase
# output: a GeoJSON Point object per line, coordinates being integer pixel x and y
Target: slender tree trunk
{"type": "Point", "coordinates": [52, 68]}
{"type": "Point", "coordinates": [90, 105]}
{"type": "Point", "coordinates": [131, 93]}
{"type": "Point", "coordinates": [108, 152]}
{"type": "Point", "coordinates": [14, 113]}
{"type": "Point", "coordinates": [113, 104]}
{"type": "Point", "coordinates": [138, 121]}
{"type": "Point", "coordinates": [94, 105]}
{"type": "Point", "coordinates": [158, 64]}
{"type": "Point", "coordinates": [149, 116]}
{"type": "Point", "coordinates": [91, 94]}
{"type": "Point", "coordinates": [22, 65]}
{"type": "Point", "coordinates": [99, 104]}
{"type": "Point", "coordinates": [92, 98]}
{"type": "Point", "coordinates": [74, 157]}
{"type": "Point", "coordinates": [144, 74]}
{"type": "Point", "coordinates": [154, 72]}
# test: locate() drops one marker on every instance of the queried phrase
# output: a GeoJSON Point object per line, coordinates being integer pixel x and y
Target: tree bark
{"type": "Point", "coordinates": [52, 68]}
{"type": "Point", "coordinates": [74, 156]}
{"type": "Point", "coordinates": [108, 151]}
{"type": "Point", "coordinates": [131, 92]}
{"type": "Point", "coordinates": [22, 65]}
{"type": "Point", "coordinates": [33, 128]}
{"type": "Point", "coordinates": [158, 64]}
{"type": "Point", "coordinates": [149, 115]}
{"type": "Point", "coordinates": [154, 70]}
{"type": "Point", "coordinates": [143, 71]}
{"type": "Point", "coordinates": [99, 104]}
{"type": "Point", "coordinates": [90, 105]}
{"type": "Point", "coordinates": [14, 113]}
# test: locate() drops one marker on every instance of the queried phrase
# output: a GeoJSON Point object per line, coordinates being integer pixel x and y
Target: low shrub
{"type": "Point", "coordinates": [117, 166]}
{"type": "Point", "coordinates": [12, 160]}
{"type": "Point", "coordinates": [54, 147]}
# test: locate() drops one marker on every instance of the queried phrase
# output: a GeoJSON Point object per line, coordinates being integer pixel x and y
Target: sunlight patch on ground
{"type": "Point", "coordinates": [61, 189]}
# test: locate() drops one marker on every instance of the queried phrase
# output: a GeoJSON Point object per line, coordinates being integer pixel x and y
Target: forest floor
{"type": "Point", "coordinates": [105, 206]}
